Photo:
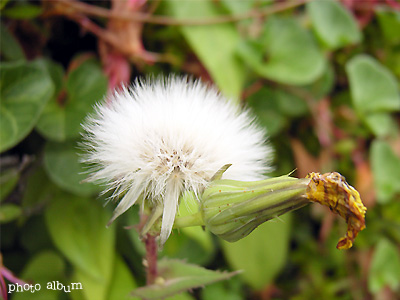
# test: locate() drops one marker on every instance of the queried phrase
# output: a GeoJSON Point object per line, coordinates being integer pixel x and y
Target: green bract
{"type": "Point", "coordinates": [233, 209]}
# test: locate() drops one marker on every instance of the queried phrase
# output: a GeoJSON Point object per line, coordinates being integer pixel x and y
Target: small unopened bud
{"type": "Point", "coordinates": [233, 209]}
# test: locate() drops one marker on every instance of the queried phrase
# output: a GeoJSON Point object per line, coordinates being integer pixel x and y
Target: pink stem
{"type": "Point", "coordinates": [3, 289]}
{"type": "Point", "coordinates": [10, 276]}
{"type": "Point", "coordinates": [151, 257]}
{"type": "Point", "coordinates": [6, 273]}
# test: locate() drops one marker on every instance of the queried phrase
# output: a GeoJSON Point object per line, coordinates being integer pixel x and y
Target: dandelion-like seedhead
{"type": "Point", "coordinates": [160, 137]}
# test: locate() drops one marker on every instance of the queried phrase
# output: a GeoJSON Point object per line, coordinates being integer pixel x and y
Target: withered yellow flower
{"type": "Point", "coordinates": [332, 190]}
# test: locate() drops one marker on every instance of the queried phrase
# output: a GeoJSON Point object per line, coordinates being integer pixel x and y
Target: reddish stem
{"type": "Point", "coordinates": [151, 258]}
{"type": "Point", "coordinates": [64, 7]}
{"type": "Point", "coordinates": [393, 4]}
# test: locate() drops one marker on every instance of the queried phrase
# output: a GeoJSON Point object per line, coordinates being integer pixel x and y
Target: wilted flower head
{"type": "Point", "coordinates": [158, 138]}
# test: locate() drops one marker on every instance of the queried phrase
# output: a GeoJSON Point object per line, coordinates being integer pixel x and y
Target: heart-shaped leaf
{"type": "Point", "coordinates": [25, 88]}
{"type": "Point", "coordinates": [77, 228]}
{"type": "Point", "coordinates": [62, 117]}
{"type": "Point", "coordinates": [61, 162]}
{"type": "Point", "coordinates": [374, 91]}
{"type": "Point", "coordinates": [373, 87]}
{"type": "Point", "coordinates": [285, 52]}
{"type": "Point", "coordinates": [333, 24]}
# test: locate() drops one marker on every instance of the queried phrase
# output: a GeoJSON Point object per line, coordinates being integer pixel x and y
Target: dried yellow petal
{"type": "Point", "coordinates": [332, 190]}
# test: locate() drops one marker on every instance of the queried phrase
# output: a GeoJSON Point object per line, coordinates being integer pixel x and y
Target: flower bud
{"type": "Point", "coordinates": [233, 209]}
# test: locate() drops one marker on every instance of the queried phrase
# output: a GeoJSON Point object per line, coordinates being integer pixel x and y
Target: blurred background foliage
{"type": "Point", "coordinates": [321, 76]}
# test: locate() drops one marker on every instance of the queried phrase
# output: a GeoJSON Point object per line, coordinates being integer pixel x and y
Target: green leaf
{"type": "Point", "coordinates": [237, 7]}
{"type": "Point", "coordinates": [61, 162]}
{"type": "Point", "coordinates": [56, 72]}
{"type": "Point", "coordinates": [63, 115]}
{"type": "Point", "coordinates": [182, 296]}
{"type": "Point", "coordinates": [374, 91]}
{"type": "Point", "coordinates": [273, 106]}
{"type": "Point", "coordinates": [386, 170]}
{"type": "Point", "coordinates": [39, 190]}
{"type": "Point", "coordinates": [22, 11]}
{"type": "Point", "coordinates": [94, 288]}
{"type": "Point", "coordinates": [3, 3]}
{"type": "Point", "coordinates": [373, 87]}
{"type": "Point", "coordinates": [224, 290]}
{"type": "Point", "coordinates": [25, 88]}
{"type": "Point", "coordinates": [264, 105]}
{"type": "Point", "coordinates": [77, 228]}
{"type": "Point", "coordinates": [176, 276]}
{"type": "Point", "coordinates": [390, 213]}
{"type": "Point", "coordinates": [213, 44]}
{"type": "Point", "coordinates": [192, 244]}
{"type": "Point", "coordinates": [262, 254]}
{"type": "Point", "coordinates": [8, 181]}
{"type": "Point", "coordinates": [333, 24]}
{"type": "Point", "coordinates": [381, 124]}
{"type": "Point", "coordinates": [33, 235]}
{"type": "Point", "coordinates": [290, 105]}
{"type": "Point", "coordinates": [9, 212]}
{"type": "Point", "coordinates": [9, 46]}
{"type": "Point", "coordinates": [389, 21]}
{"type": "Point", "coordinates": [323, 85]}
{"type": "Point", "coordinates": [385, 267]}
{"type": "Point", "coordinates": [122, 283]}
{"type": "Point", "coordinates": [120, 286]}
{"type": "Point", "coordinates": [285, 52]}
{"type": "Point", "coordinates": [42, 268]}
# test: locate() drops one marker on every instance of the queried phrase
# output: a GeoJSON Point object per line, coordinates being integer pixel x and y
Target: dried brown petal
{"type": "Point", "coordinates": [332, 190]}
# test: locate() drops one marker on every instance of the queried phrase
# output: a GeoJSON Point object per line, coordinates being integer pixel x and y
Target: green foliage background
{"type": "Point", "coordinates": [322, 77]}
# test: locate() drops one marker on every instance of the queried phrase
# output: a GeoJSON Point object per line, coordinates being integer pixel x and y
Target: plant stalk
{"type": "Point", "coordinates": [151, 259]}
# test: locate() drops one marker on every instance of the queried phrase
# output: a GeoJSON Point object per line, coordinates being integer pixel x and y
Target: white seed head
{"type": "Point", "coordinates": [164, 136]}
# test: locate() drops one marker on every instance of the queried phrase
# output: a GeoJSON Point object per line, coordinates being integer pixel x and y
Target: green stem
{"type": "Point", "coordinates": [195, 219]}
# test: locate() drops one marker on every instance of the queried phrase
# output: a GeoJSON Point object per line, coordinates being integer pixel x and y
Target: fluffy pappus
{"type": "Point", "coordinates": [160, 137]}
